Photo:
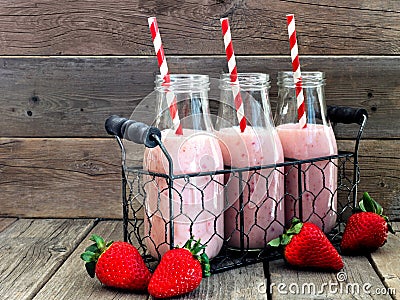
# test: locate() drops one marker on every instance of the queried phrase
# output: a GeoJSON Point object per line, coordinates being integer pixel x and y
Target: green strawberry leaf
{"type": "Point", "coordinates": [368, 203]}
{"type": "Point", "coordinates": [88, 256]}
{"type": "Point", "coordinates": [205, 262]}
{"type": "Point", "coordinates": [92, 248]}
{"type": "Point", "coordinates": [275, 242]}
{"type": "Point", "coordinates": [286, 239]}
{"type": "Point", "coordinates": [361, 207]}
{"type": "Point", "coordinates": [99, 241]}
{"type": "Point", "coordinates": [379, 208]}
{"type": "Point", "coordinates": [295, 221]}
{"type": "Point", "coordinates": [188, 244]}
{"type": "Point", "coordinates": [295, 229]}
{"type": "Point", "coordinates": [367, 196]}
{"type": "Point", "coordinates": [93, 252]}
{"type": "Point", "coordinates": [195, 249]}
{"type": "Point", "coordinates": [91, 268]}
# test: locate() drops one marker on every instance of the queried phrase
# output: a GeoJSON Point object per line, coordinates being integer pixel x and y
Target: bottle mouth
{"type": "Point", "coordinates": [309, 79]}
{"type": "Point", "coordinates": [247, 81]}
{"type": "Point", "coordinates": [183, 83]}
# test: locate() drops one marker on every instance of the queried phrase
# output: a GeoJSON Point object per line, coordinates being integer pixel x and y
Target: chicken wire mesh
{"type": "Point", "coordinates": [236, 233]}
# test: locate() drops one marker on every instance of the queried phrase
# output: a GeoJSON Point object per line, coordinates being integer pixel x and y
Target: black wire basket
{"type": "Point", "coordinates": [138, 230]}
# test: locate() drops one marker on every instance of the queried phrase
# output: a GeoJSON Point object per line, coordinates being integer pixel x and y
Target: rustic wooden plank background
{"type": "Point", "coordinates": [5, 222]}
{"type": "Point", "coordinates": [75, 95]}
{"type": "Point", "coordinates": [73, 269]}
{"type": "Point", "coordinates": [192, 27]}
{"type": "Point", "coordinates": [65, 67]}
{"type": "Point", "coordinates": [39, 246]}
{"type": "Point", "coordinates": [386, 261]}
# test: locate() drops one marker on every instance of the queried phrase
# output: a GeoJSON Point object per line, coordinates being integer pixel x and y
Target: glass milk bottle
{"type": "Point", "coordinates": [260, 218]}
{"type": "Point", "coordinates": [317, 202]}
{"type": "Point", "coordinates": [197, 201]}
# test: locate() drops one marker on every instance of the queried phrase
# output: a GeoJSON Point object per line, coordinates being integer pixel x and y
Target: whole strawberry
{"type": "Point", "coordinates": [116, 264]}
{"type": "Point", "coordinates": [367, 229]}
{"type": "Point", "coordinates": [180, 271]}
{"type": "Point", "coordinates": [306, 246]}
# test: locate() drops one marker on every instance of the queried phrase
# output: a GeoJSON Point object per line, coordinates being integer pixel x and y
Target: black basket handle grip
{"type": "Point", "coordinates": [131, 130]}
{"type": "Point", "coordinates": [346, 115]}
{"type": "Point", "coordinates": [113, 125]}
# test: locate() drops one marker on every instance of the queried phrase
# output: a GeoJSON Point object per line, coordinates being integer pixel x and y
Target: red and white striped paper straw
{"type": "Point", "coordinates": [162, 64]}
{"type": "Point", "coordinates": [294, 53]}
{"type": "Point", "coordinates": [230, 55]}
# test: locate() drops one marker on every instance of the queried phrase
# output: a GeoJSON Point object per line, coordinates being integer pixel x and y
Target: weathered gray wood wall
{"type": "Point", "coordinates": [66, 66]}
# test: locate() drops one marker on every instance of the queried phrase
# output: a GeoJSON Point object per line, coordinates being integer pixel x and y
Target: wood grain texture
{"type": "Point", "coordinates": [244, 283]}
{"type": "Point", "coordinates": [297, 284]}
{"type": "Point", "coordinates": [79, 285]}
{"type": "Point", "coordinates": [60, 178]}
{"type": "Point", "coordinates": [386, 262]}
{"type": "Point", "coordinates": [380, 173]}
{"type": "Point", "coordinates": [396, 226]}
{"type": "Point", "coordinates": [5, 222]}
{"type": "Point", "coordinates": [32, 250]}
{"type": "Point", "coordinates": [192, 27]}
{"type": "Point", "coordinates": [56, 177]}
{"type": "Point", "coordinates": [72, 97]}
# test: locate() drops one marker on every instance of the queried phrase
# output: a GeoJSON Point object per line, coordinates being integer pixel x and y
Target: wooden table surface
{"type": "Point", "coordinates": [40, 259]}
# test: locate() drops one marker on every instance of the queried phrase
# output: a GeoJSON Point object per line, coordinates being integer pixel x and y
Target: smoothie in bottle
{"type": "Point", "coordinates": [197, 201]}
{"type": "Point", "coordinates": [317, 201]}
{"type": "Point", "coordinates": [250, 224]}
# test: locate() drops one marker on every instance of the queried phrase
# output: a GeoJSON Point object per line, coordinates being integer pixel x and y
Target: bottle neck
{"type": "Point", "coordinates": [246, 81]}
{"type": "Point", "coordinates": [187, 95]}
{"type": "Point", "coordinates": [314, 98]}
{"type": "Point", "coordinates": [308, 79]}
{"type": "Point", "coordinates": [253, 89]}
{"type": "Point", "coordinates": [183, 83]}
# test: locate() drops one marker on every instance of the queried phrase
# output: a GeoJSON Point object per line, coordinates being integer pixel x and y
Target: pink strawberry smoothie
{"type": "Point", "coordinates": [197, 201]}
{"type": "Point", "coordinates": [263, 191]}
{"type": "Point", "coordinates": [319, 198]}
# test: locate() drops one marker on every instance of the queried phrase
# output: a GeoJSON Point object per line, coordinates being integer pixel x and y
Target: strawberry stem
{"type": "Point", "coordinates": [201, 257]}
{"type": "Point", "coordinates": [368, 204]}
{"type": "Point", "coordinates": [93, 252]}
{"type": "Point", "coordinates": [285, 238]}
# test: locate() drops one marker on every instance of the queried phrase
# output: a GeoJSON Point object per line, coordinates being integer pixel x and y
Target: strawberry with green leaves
{"type": "Point", "coordinates": [180, 271]}
{"type": "Point", "coordinates": [306, 246]}
{"type": "Point", "coordinates": [116, 264]}
{"type": "Point", "coordinates": [367, 229]}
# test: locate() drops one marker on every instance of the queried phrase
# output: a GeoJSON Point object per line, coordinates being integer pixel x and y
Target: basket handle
{"type": "Point", "coordinates": [346, 115]}
{"type": "Point", "coordinates": [131, 130]}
